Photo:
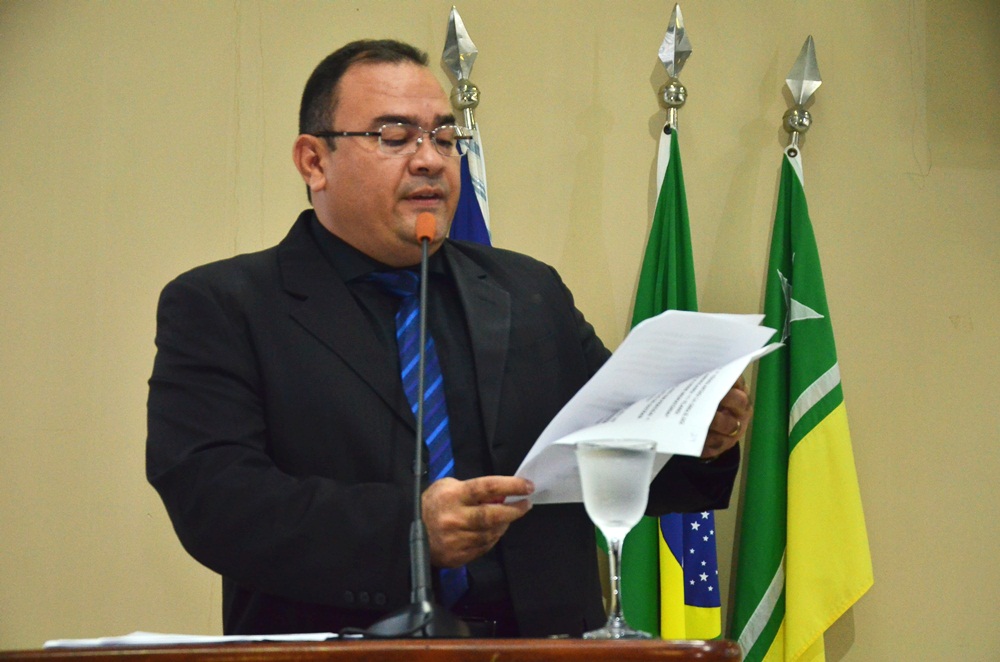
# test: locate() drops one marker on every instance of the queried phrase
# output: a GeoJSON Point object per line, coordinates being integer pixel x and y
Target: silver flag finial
{"type": "Point", "coordinates": [459, 52]}
{"type": "Point", "coordinates": [458, 57]}
{"type": "Point", "coordinates": [674, 52]}
{"type": "Point", "coordinates": [676, 47]}
{"type": "Point", "coordinates": [803, 80]}
{"type": "Point", "coordinates": [804, 77]}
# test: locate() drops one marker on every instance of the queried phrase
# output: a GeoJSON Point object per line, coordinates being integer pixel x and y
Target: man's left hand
{"type": "Point", "coordinates": [730, 422]}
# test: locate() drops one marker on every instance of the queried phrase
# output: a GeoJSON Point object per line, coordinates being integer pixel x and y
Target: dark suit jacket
{"type": "Point", "coordinates": [280, 439]}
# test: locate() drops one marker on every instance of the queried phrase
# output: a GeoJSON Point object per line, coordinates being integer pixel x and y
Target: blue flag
{"type": "Point", "coordinates": [472, 216]}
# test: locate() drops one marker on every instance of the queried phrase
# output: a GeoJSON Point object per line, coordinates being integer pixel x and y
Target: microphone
{"type": "Point", "coordinates": [422, 617]}
{"type": "Point", "coordinates": [426, 226]}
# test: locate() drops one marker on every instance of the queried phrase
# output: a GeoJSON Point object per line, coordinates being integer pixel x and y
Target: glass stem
{"type": "Point", "coordinates": [615, 563]}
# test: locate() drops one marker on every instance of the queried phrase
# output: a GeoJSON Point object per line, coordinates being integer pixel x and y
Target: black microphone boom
{"type": "Point", "coordinates": [422, 617]}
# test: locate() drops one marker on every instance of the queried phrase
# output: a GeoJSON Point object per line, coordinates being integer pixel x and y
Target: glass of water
{"type": "Point", "coordinates": [615, 475]}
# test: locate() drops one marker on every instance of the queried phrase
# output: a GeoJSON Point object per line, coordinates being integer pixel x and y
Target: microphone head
{"type": "Point", "coordinates": [426, 226]}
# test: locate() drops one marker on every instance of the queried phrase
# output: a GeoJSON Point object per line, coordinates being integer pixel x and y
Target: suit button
{"type": "Point", "coordinates": [363, 597]}
{"type": "Point", "coordinates": [380, 599]}
{"type": "Point", "coordinates": [348, 597]}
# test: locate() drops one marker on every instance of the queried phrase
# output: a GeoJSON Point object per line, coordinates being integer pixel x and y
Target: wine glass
{"type": "Point", "coordinates": [615, 475]}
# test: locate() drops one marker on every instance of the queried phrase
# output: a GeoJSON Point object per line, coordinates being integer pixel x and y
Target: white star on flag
{"type": "Point", "coordinates": [797, 311]}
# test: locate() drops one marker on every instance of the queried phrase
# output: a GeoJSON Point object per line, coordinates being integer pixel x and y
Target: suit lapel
{"type": "Point", "coordinates": [487, 317]}
{"type": "Point", "coordinates": [322, 304]}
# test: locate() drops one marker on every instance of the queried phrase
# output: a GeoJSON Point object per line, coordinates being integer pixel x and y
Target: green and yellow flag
{"type": "Point", "coordinates": [670, 583]}
{"type": "Point", "coordinates": [803, 550]}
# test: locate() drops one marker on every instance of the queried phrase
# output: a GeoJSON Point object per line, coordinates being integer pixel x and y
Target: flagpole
{"type": "Point", "coordinates": [684, 575]}
{"type": "Point", "coordinates": [663, 272]}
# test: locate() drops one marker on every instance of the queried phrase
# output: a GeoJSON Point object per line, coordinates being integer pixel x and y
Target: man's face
{"type": "Point", "coordinates": [371, 200]}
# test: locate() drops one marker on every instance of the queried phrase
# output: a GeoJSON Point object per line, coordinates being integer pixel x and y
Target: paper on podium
{"type": "Point", "coordinates": [159, 639]}
{"type": "Point", "coordinates": [664, 384]}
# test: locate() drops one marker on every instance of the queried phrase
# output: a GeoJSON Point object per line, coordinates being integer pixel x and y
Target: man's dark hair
{"type": "Point", "coordinates": [319, 97]}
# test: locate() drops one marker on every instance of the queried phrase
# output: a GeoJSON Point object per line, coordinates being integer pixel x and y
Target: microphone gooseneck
{"type": "Point", "coordinates": [420, 563]}
{"type": "Point", "coordinates": [422, 617]}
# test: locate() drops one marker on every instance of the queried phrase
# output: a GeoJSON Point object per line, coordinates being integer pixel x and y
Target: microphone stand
{"type": "Point", "coordinates": [422, 618]}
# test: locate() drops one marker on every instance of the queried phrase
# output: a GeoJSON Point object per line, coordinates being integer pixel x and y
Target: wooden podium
{"type": "Point", "coordinates": [400, 650]}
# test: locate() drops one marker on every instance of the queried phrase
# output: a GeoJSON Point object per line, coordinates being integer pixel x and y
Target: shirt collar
{"type": "Point", "coordinates": [350, 263]}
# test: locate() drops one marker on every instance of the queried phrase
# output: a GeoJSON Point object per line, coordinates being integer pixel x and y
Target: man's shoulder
{"type": "Point", "coordinates": [500, 261]}
{"type": "Point", "coordinates": [235, 271]}
{"type": "Point", "coordinates": [255, 269]}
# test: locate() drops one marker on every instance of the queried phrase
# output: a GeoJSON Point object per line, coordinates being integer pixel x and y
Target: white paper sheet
{"type": "Point", "coordinates": [158, 639]}
{"type": "Point", "coordinates": [664, 384]}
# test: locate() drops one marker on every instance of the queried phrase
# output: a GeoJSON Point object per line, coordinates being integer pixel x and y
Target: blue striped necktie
{"type": "Point", "coordinates": [437, 437]}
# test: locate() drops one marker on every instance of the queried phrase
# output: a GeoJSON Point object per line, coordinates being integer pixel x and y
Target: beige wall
{"type": "Point", "coordinates": [142, 138]}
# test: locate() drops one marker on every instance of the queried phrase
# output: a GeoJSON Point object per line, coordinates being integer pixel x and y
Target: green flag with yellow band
{"type": "Point", "coordinates": [803, 550]}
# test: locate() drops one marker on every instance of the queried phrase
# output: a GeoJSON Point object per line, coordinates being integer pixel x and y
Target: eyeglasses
{"type": "Point", "coordinates": [406, 139]}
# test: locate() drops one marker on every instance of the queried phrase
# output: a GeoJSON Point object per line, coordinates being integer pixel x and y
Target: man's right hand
{"type": "Point", "coordinates": [465, 518]}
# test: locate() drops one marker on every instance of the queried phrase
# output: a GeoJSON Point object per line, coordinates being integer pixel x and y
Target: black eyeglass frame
{"type": "Point", "coordinates": [387, 150]}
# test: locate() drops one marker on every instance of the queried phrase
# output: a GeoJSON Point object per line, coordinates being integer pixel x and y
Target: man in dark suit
{"type": "Point", "coordinates": [280, 437]}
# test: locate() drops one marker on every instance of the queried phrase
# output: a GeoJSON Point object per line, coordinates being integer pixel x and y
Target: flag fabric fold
{"type": "Point", "coordinates": [803, 546]}
{"type": "Point", "coordinates": [472, 215]}
{"type": "Point", "coordinates": [690, 604]}
{"type": "Point", "coordinates": [670, 568]}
